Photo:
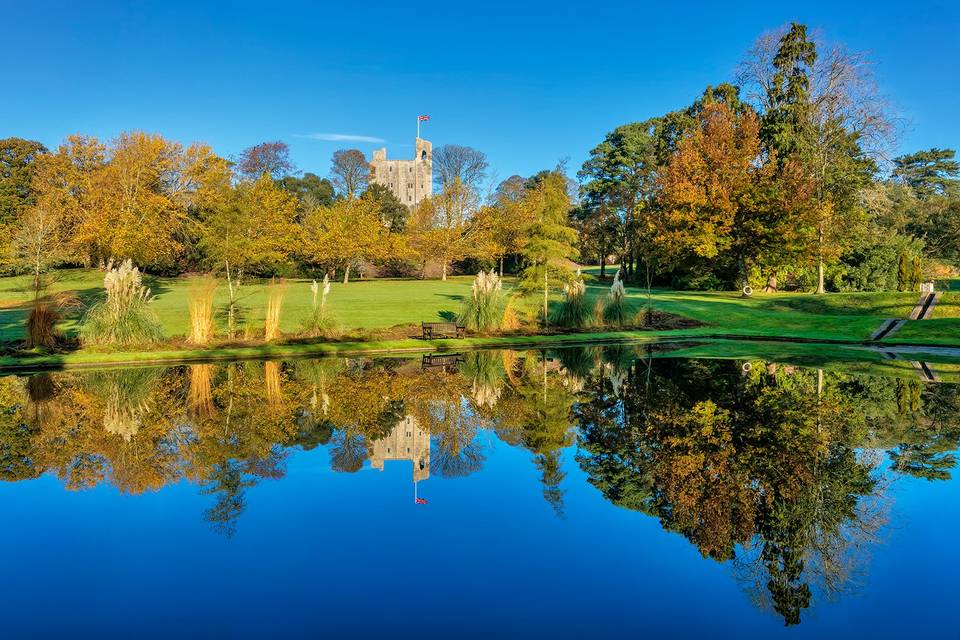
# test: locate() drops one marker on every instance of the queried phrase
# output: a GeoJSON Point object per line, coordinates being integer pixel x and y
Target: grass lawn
{"type": "Point", "coordinates": [377, 304]}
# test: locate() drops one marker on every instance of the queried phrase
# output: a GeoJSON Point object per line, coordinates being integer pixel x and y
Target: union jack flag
{"type": "Point", "coordinates": [421, 501]}
{"type": "Point", "coordinates": [423, 118]}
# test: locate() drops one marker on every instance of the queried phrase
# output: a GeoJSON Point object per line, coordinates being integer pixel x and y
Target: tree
{"type": "Point", "coordinates": [346, 232]}
{"type": "Point", "coordinates": [40, 238]}
{"type": "Point", "coordinates": [443, 229]}
{"type": "Point", "coordinates": [453, 162]}
{"type": "Point", "coordinates": [821, 109]}
{"type": "Point", "coordinates": [270, 158]}
{"type": "Point", "coordinates": [393, 213]}
{"type": "Point", "coordinates": [349, 172]}
{"type": "Point", "coordinates": [618, 189]}
{"type": "Point", "coordinates": [137, 204]}
{"type": "Point", "coordinates": [719, 199]}
{"type": "Point", "coordinates": [250, 231]}
{"type": "Point", "coordinates": [311, 190]}
{"type": "Point", "coordinates": [17, 163]}
{"type": "Point", "coordinates": [552, 242]}
{"type": "Point", "coordinates": [933, 172]}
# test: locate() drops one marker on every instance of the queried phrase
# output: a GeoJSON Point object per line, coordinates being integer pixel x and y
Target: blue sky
{"type": "Point", "coordinates": [528, 83]}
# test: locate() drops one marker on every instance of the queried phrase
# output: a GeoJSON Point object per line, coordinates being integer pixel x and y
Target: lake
{"type": "Point", "coordinates": [591, 492]}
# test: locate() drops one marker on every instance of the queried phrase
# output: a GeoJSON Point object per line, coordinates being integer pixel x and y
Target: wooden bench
{"type": "Point", "coordinates": [442, 330]}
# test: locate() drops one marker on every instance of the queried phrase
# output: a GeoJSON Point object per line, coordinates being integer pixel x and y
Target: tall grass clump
{"type": "Point", "coordinates": [614, 310]}
{"type": "Point", "coordinates": [320, 322]}
{"type": "Point", "coordinates": [125, 316]}
{"type": "Point", "coordinates": [44, 316]}
{"type": "Point", "coordinates": [202, 292]}
{"type": "Point", "coordinates": [275, 292]}
{"type": "Point", "coordinates": [573, 311]}
{"type": "Point", "coordinates": [483, 310]}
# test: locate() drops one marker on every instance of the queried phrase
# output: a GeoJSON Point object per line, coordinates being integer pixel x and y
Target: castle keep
{"type": "Point", "coordinates": [410, 180]}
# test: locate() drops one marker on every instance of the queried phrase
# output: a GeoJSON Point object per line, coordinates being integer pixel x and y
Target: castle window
{"type": "Point", "coordinates": [423, 154]}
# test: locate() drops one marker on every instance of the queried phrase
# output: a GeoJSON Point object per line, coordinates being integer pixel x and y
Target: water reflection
{"type": "Point", "coordinates": [780, 471]}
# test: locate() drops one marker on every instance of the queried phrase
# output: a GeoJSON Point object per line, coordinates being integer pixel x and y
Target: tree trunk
{"type": "Point", "coordinates": [444, 276]}
{"type": "Point", "coordinates": [501, 265]}
{"type": "Point", "coordinates": [603, 265]}
{"type": "Point", "coordinates": [546, 293]}
{"type": "Point", "coordinates": [231, 315]}
{"type": "Point", "coordinates": [346, 274]}
{"type": "Point", "coordinates": [820, 235]}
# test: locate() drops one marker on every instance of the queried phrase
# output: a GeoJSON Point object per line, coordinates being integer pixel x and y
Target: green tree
{"type": "Point", "coordinates": [17, 163]}
{"type": "Point", "coordinates": [552, 243]}
{"type": "Point", "coordinates": [933, 172]}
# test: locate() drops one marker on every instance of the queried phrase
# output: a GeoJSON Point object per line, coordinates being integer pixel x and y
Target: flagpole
{"type": "Point", "coordinates": [418, 126]}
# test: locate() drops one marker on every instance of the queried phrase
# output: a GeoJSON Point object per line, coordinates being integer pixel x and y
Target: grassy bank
{"type": "Point", "coordinates": [367, 309]}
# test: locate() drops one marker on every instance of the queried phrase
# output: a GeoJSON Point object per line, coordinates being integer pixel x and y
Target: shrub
{"type": "Point", "coordinates": [614, 311]}
{"type": "Point", "coordinates": [275, 292]}
{"type": "Point", "coordinates": [202, 291]}
{"type": "Point", "coordinates": [320, 322]}
{"type": "Point", "coordinates": [483, 310]}
{"type": "Point", "coordinates": [124, 317]}
{"type": "Point", "coordinates": [573, 311]}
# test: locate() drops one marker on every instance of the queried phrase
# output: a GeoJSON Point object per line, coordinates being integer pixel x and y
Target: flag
{"type": "Point", "coordinates": [421, 501]}
{"type": "Point", "coordinates": [423, 118]}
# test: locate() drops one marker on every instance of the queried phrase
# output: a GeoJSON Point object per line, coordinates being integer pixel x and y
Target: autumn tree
{"type": "Point", "coordinates": [345, 233]}
{"type": "Point", "coordinates": [349, 172]}
{"type": "Point", "coordinates": [720, 199]}
{"type": "Point", "coordinates": [443, 229]}
{"type": "Point", "coordinates": [248, 232]}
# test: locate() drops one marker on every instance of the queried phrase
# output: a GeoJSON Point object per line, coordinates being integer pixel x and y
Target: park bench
{"type": "Point", "coordinates": [442, 330]}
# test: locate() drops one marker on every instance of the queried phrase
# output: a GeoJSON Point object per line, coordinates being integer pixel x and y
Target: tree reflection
{"type": "Point", "coordinates": [773, 469]}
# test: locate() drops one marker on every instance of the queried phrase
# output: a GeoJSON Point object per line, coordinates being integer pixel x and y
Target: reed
{"type": "Point", "coordinates": [276, 290]}
{"type": "Point", "coordinates": [202, 292]}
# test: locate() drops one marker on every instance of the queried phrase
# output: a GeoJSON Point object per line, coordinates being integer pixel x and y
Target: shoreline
{"type": "Point", "coordinates": [90, 358]}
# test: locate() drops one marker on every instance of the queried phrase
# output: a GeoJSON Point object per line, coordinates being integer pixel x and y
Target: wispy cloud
{"type": "Point", "coordinates": [339, 137]}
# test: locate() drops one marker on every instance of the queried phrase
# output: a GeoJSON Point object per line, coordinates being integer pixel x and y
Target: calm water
{"type": "Point", "coordinates": [577, 493]}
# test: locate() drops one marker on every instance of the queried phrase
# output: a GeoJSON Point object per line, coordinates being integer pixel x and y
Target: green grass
{"type": "Point", "coordinates": [378, 304]}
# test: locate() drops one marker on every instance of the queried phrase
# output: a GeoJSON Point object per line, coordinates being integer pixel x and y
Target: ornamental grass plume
{"type": "Point", "coordinates": [275, 292]}
{"type": "Point", "coordinates": [320, 322]}
{"type": "Point", "coordinates": [202, 292]}
{"type": "Point", "coordinates": [573, 311]}
{"type": "Point", "coordinates": [125, 316]}
{"type": "Point", "coordinates": [614, 311]}
{"type": "Point", "coordinates": [483, 310]}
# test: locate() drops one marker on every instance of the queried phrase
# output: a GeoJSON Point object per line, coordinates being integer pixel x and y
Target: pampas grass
{"type": "Point", "coordinates": [200, 392]}
{"type": "Point", "coordinates": [202, 291]}
{"type": "Point", "coordinates": [614, 311]}
{"type": "Point", "coordinates": [573, 311]}
{"type": "Point", "coordinates": [125, 317]}
{"type": "Point", "coordinates": [320, 322]}
{"type": "Point", "coordinates": [275, 292]}
{"type": "Point", "coordinates": [483, 310]}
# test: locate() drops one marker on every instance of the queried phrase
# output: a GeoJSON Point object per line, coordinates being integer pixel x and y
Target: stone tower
{"type": "Point", "coordinates": [407, 441]}
{"type": "Point", "coordinates": [410, 180]}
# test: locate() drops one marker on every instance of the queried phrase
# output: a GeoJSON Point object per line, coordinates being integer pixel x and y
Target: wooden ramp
{"type": "Point", "coordinates": [924, 307]}
{"type": "Point", "coordinates": [887, 328]}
